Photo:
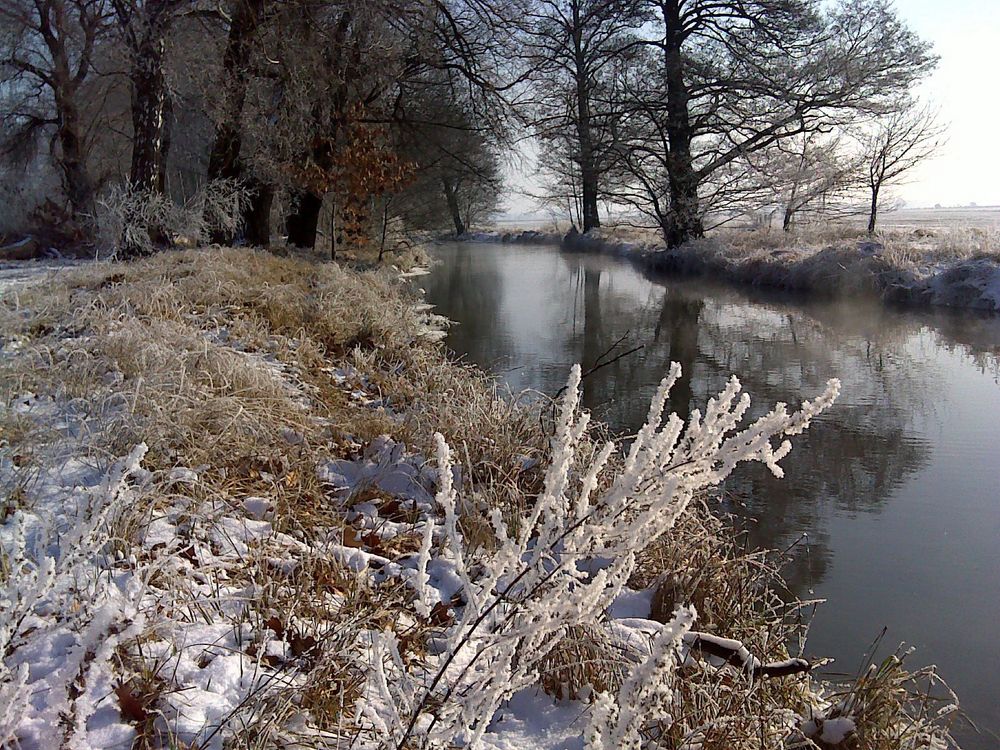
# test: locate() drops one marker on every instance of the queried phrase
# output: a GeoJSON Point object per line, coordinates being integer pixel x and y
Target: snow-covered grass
{"type": "Point", "coordinates": [247, 502]}
{"type": "Point", "coordinates": [946, 266]}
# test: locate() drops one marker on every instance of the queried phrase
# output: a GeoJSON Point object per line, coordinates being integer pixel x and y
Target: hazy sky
{"type": "Point", "coordinates": [966, 86]}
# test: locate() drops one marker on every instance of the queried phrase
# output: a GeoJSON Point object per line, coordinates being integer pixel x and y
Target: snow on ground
{"type": "Point", "coordinates": [139, 599]}
{"type": "Point", "coordinates": [178, 592]}
{"type": "Point", "coordinates": [16, 274]}
{"type": "Point", "coordinates": [532, 719]}
{"type": "Point", "coordinates": [176, 599]}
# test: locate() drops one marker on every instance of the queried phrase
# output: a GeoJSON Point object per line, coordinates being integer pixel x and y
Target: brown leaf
{"type": "Point", "coordinates": [441, 614]}
{"type": "Point", "coordinates": [273, 623]}
{"type": "Point", "coordinates": [130, 705]}
{"type": "Point", "coordinates": [302, 644]}
{"type": "Point", "coordinates": [352, 537]}
{"type": "Point", "coordinates": [389, 510]}
{"type": "Point", "coordinates": [373, 543]}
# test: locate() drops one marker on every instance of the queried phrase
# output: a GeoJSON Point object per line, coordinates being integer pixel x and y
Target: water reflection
{"type": "Point", "coordinates": [895, 487]}
{"type": "Point", "coordinates": [472, 286]}
{"type": "Point", "coordinates": [677, 325]}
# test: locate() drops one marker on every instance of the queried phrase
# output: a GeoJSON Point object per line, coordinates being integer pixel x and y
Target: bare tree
{"type": "Point", "coordinates": [46, 58]}
{"type": "Point", "coordinates": [897, 143]}
{"type": "Point", "coordinates": [733, 77]}
{"type": "Point", "coordinates": [470, 178]}
{"type": "Point", "coordinates": [811, 173]}
{"type": "Point", "coordinates": [454, 156]}
{"type": "Point", "coordinates": [572, 47]}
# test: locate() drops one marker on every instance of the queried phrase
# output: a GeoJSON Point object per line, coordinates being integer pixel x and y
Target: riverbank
{"type": "Point", "coordinates": [225, 522]}
{"type": "Point", "coordinates": [944, 267]}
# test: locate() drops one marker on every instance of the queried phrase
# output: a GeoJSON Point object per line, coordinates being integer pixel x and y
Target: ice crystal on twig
{"type": "Point", "coordinates": [563, 566]}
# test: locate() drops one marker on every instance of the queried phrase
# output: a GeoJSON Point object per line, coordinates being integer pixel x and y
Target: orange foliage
{"type": "Point", "coordinates": [361, 166]}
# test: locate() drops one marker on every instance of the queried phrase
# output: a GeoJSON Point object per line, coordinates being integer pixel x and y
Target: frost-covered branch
{"type": "Point", "coordinates": [564, 564]}
{"type": "Point", "coordinates": [646, 697]}
{"type": "Point", "coordinates": [62, 571]}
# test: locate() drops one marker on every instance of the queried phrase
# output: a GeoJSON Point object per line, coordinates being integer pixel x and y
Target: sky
{"type": "Point", "coordinates": [966, 88]}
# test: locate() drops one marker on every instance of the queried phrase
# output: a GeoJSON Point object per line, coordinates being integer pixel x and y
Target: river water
{"type": "Point", "coordinates": [891, 501]}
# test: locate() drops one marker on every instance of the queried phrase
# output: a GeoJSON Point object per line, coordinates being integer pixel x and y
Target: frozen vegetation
{"type": "Point", "coordinates": [941, 266]}
{"type": "Point", "coordinates": [247, 502]}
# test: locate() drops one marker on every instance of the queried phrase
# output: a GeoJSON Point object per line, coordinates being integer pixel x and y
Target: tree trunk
{"type": "Point", "coordinates": [685, 213]}
{"type": "Point", "coordinates": [65, 84]}
{"type": "Point", "coordinates": [72, 162]}
{"type": "Point", "coordinates": [224, 159]}
{"type": "Point", "coordinates": [588, 166]}
{"type": "Point", "coordinates": [451, 195]}
{"type": "Point", "coordinates": [873, 211]}
{"type": "Point", "coordinates": [150, 127]}
{"type": "Point", "coordinates": [301, 222]}
{"type": "Point", "coordinates": [150, 108]}
{"type": "Point", "coordinates": [334, 228]}
{"type": "Point", "coordinates": [385, 228]}
{"type": "Point", "coordinates": [786, 223]}
{"type": "Point", "coordinates": [257, 218]}
{"type": "Point", "coordinates": [223, 163]}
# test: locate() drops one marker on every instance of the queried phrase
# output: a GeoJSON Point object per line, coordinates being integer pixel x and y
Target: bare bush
{"type": "Point", "coordinates": [139, 220]}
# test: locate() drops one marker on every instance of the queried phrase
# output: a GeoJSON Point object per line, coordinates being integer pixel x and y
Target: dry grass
{"type": "Point", "coordinates": [901, 245]}
{"type": "Point", "coordinates": [941, 245]}
{"type": "Point", "coordinates": [244, 364]}
{"type": "Point", "coordinates": [949, 266]}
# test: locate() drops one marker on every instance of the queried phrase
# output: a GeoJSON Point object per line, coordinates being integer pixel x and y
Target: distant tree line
{"type": "Point", "coordinates": [339, 121]}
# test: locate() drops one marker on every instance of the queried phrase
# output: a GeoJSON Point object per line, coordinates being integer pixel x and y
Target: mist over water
{"type": "Point", "coordinates": [891, 501]}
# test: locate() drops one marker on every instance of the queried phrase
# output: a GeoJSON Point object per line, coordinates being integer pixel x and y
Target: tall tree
{"type": "Point", "coordinates": [143, 27]}
{"type": "Point", "coordinates": [225, 161]}
{"type": "Point", "coordinates": [733, 77]}
{"type": "Point", "coordinates": [46, 58]}
{"type": "Point", "coordinates": [573, 46]}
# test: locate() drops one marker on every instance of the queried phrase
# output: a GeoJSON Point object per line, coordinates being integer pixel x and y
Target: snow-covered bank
{"type": "Point", "coordinates": [902, 267]}
{"type": "Point", "coordinates": [229, 521]}
{"type": "Point", "coordinates": [518, 237]}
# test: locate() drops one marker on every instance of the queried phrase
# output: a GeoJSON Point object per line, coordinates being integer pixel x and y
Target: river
{"type": "Point", "coordinates": [891, 501]}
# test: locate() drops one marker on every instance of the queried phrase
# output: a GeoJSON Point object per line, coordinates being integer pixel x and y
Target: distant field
{"type": "Point", "coordinates": [980, 217]}
{"type": "Point", "coordinates": [986, 216]}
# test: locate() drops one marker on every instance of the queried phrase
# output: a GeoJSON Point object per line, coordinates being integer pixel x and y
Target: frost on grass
{"type": "Point", "coordinates": [310, 584]}
{"type": "Point", "coordinates": [65, 607]}
{"type": "Point", "coordinates": [91, 619]}
{"type": "Point", "coordinates": [562, 566]}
